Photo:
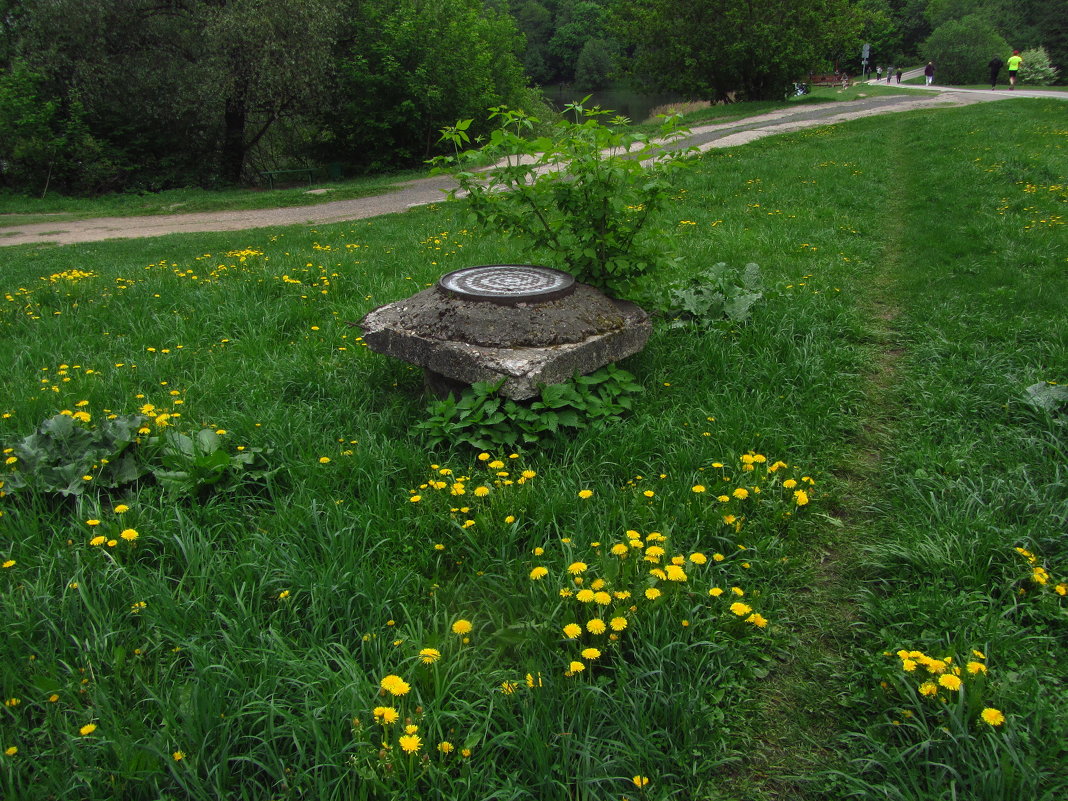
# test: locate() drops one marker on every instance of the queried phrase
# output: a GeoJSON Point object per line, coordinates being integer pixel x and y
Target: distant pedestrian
{"type": "Point", "coordinates": [889, 73]}
{"type": "Point", "coordinates": [928, 72]}
{"type": "Point", "coordinates": [1015, 60]}
{"type": "Point", "coordinates": [899, 74]}
{"type": "Point", "coordinates": [995, 67]}
{"type": "Point", "coordinates": [878, 73]}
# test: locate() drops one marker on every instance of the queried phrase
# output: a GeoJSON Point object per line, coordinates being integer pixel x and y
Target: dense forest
{"type": "Point", "coordinates": [141, 95]}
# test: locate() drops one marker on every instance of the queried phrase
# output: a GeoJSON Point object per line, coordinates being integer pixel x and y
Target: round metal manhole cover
{"type": "Point", "coordinates": [508, 283]}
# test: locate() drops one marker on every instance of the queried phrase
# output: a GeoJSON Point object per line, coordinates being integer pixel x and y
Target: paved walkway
{"type": "Point", "coordinates": [429, 190]}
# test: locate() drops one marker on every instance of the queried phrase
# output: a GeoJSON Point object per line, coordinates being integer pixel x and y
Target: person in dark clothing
{"type": "Point", "coordinates": [928, 72]}
{"type": "Point", "coordinates": [995, 67]}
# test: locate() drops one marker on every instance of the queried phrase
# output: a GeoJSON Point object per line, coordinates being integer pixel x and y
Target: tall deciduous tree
{"type": "Point", "coordinates": [756, 48]}
{"type": "Point", "coordinates": [412, 67]}
{"type": "Point", "coordinates": [962, 48]}
{"type": "Point", "coordinates": [174, 91]}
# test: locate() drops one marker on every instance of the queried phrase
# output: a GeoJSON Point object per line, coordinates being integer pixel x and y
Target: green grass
{"type": "Point", "coordinates": [23, 210]}
{"type": "Point", "coordinates": [915, 292]}
{"type": "Point", "coordinates": [18, 209]}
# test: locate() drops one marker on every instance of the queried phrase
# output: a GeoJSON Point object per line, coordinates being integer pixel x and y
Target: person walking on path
{"type": "Point", "coordinates": [928, 72]}
{"type": "Point", "coordinates": [878, 73]}
{"type": "Point", "coordinates": [995, 67]}
{"type": "Point", "coordinates": [889, 73]}
{"type": "Point", "coordinates": [899, 71]}
{"type": "Point", "coordinates": [1014, 65]}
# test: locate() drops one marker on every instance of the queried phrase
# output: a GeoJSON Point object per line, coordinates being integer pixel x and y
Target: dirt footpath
{"type": "Point", "coordinates": [430, 190]}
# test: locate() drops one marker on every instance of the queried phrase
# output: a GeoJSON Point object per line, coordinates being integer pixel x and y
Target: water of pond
{"type": "Point", "coordinates": [630, 104]}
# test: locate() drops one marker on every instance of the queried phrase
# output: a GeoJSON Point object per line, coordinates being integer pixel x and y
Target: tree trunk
{"type": "Point", "coordinates": [233, 144]}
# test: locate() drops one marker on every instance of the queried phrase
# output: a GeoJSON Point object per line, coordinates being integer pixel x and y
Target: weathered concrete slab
{"type": "Point", "coordinates": [527, 344]}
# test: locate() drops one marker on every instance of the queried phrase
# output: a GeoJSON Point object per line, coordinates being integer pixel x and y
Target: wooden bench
{"type": "Point", "coordinates": [273, 175]}
{"type": "Point", "coordinates": [829, 79]}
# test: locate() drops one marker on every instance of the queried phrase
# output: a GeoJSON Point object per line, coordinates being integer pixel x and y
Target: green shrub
{"type": "Point", "coordinates": [962, 49]}
{"type": "Point", "coordinates": [1037, 69]}
{"type": "Point", "coordinates": [586, 195]}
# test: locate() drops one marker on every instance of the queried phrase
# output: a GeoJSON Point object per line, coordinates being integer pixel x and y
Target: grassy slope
{"type": "Point", "coordinates": [883, 363]}
{"type": "Point", "coordinates": [23, 210]}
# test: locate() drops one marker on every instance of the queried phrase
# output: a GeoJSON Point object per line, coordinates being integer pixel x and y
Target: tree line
{"type": "Point", "coordinates": [151, 94]}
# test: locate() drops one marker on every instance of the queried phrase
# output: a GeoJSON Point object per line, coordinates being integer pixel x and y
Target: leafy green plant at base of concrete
{"type": "Point", "coordinates": [587, 194]}
{"type": "Point", "coordinates": [717, 293]}
{"type": "Point", "coordinates": [483, 419]}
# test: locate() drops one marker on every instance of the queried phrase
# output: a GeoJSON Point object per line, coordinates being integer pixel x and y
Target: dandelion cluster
{"type": "Point", "coordinates": [1039, 577]}
{"type": "Point", "coordinates": [941, 681]}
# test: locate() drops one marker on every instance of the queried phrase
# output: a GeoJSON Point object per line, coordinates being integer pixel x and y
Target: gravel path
{"type": "Point", "coordinates": [429, 190]}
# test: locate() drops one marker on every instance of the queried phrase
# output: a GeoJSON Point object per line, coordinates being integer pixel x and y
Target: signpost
{"type": "Point", "coordinates": [865, 53]}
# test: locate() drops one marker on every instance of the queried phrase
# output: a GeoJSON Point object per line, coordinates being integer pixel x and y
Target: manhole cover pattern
{"type": "Point", "coordinates": [508, 283]}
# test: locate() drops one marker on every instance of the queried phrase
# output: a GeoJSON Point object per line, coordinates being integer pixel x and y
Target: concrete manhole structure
{"type": "Point", "coordinates": [525, 324]}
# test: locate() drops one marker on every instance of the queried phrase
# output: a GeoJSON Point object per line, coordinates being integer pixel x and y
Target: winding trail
{"type": "Point", "coordinates": [423, 191]}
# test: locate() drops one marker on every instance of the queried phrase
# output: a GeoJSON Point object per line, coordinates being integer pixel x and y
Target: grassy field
{"type": "Point", "coordinates": [18, 209]}
{"type": "Point", "coordinates": [856, 501]}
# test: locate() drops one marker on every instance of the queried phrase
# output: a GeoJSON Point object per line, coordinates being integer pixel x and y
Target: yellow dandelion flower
{"type": "Point", "coordinates": [652, 593]}
{"type": "Point", "coordinates": [87, 729]}
{"type": "Point", "coordinates": [596, 626]}
{"type": "Point", "coordinates": [618, 623]}
{"type": "Point", "coordinates": [572, 630]}
{"type": "Point", "coordinates": [178, 756]}
{"type": "Point", "coordinates": [575, 568]}
{"type": "Point", "coordinates": [675, 573]}
{"type": "Point", "coordinates": [324, 460]}
{"type": "Point", "coordinates": [410, 743]}
{"type": "Point", "coordinates": [949, 681]}
{"type": "Point", "coordinates": [395, 685]}
{"type": "Point", "coordinates": [428, 656]}
{"type": "Point", "coordinates": [992, 716]}
{"type": "Point", "coordinates": [585, 596]}
{"type": "Point", "coordinates": [539, 573]}
{"type": "Point", "coordinates": [481, 492]}
{"type": "Point", "coordinates": [640, 781]}
{"type": "Point", "coordinates": [698, 558]}
{"type": "Point", "coordinates": [715, 592]}
{"type": "Point", "coordinates": [584, 494]}
{"type": "Point", "coordinates": [461, 627]}
{"type": "Point", "coordinates": [591, 653]}
{"type": "Point", "coordinates": [386, 715]}
{"type": "Point", "coordinates": [741, 609]}
{"type": "Point", "coordinates": [446, 747]}
{"type": "Point", "coordinates": [129, 534]}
